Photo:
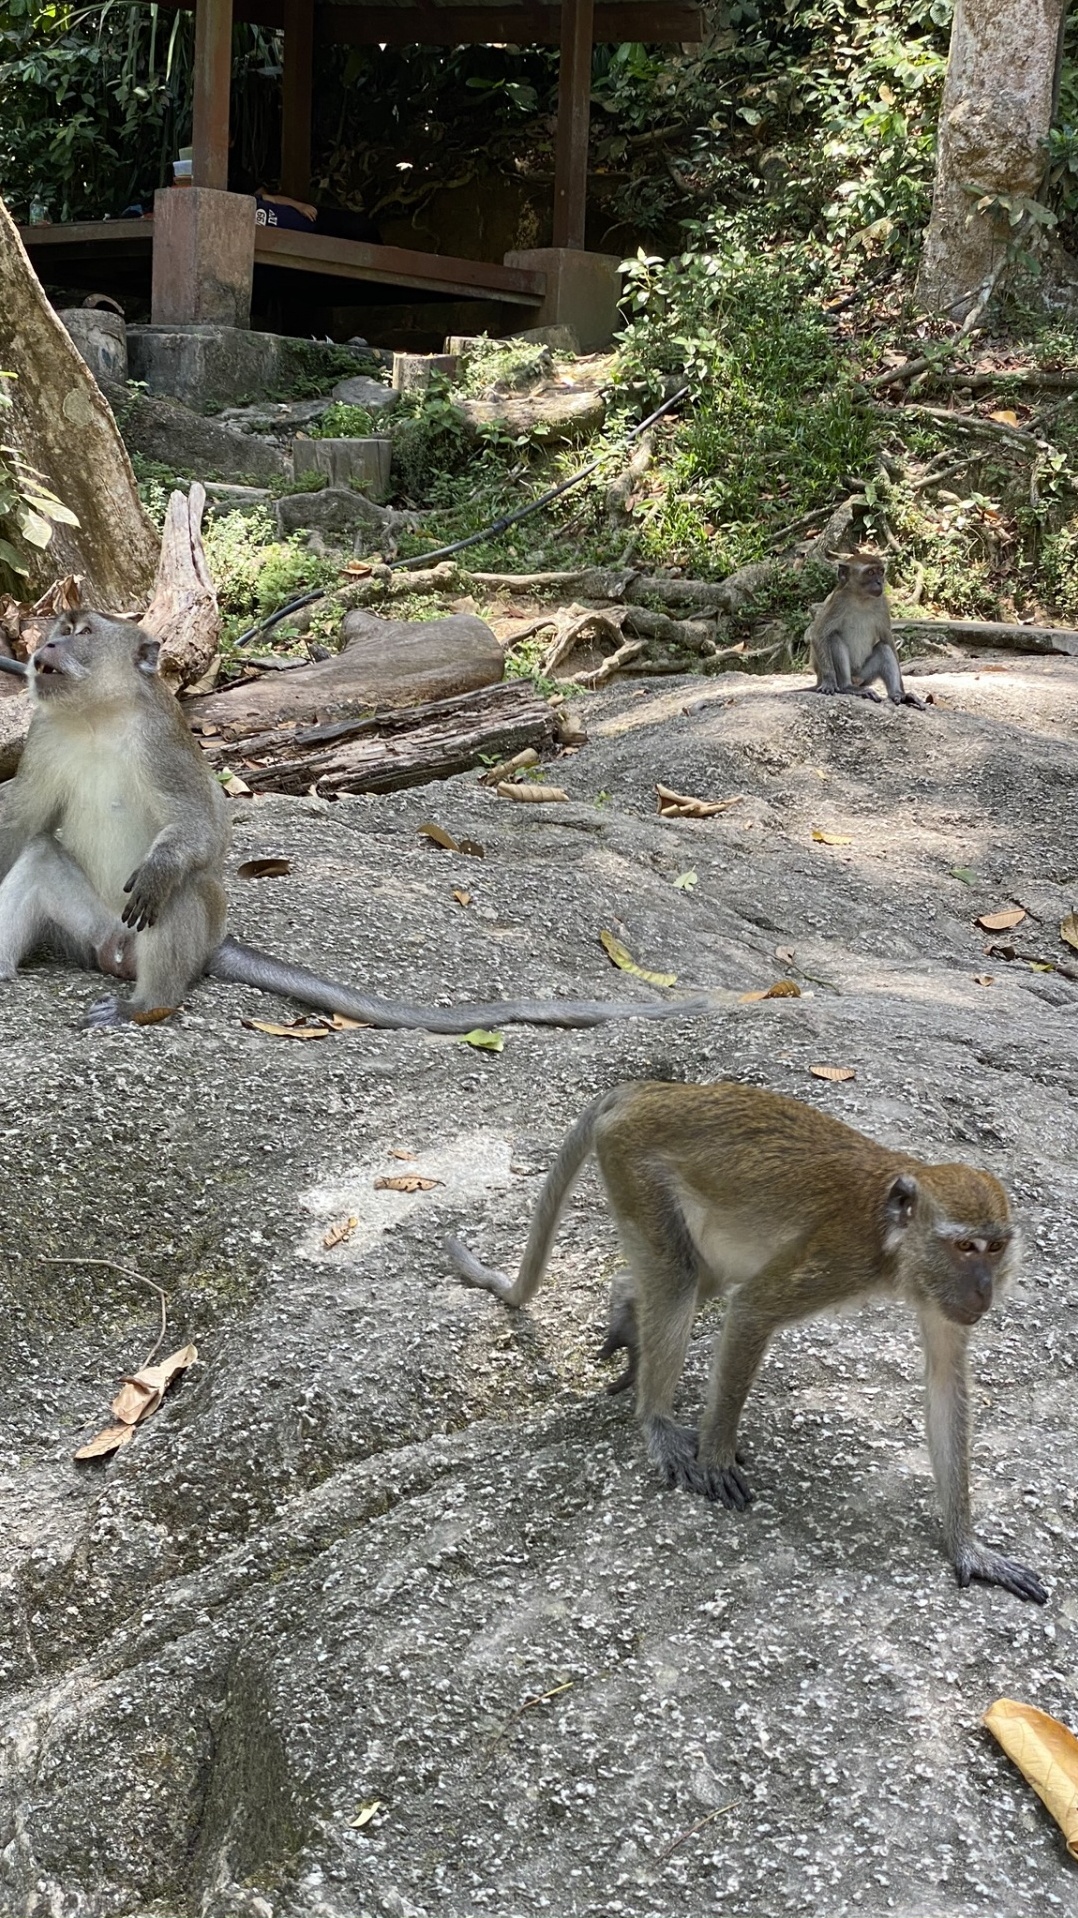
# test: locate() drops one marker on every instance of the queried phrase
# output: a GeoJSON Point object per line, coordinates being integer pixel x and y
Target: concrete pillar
{"type": "Point", "coordinates": [582, 291]}
{"type": "Point", "coordinates": [203, 257]}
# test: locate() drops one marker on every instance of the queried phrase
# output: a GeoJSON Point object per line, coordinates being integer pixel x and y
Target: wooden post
{"type": "Point", "coordinates": [296, 86]}
{"type": "Point", "coordinates": [574, 108]}
{"type": "Point", "coordinates": [213, 81]}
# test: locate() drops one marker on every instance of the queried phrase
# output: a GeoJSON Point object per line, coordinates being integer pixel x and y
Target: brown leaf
{"type": "Point", "coordinates": [112, 1439]}
{"type": "Point", "coordinates": [1046, 1754]}
{"type": "Point", "coordinates": [337, 1234]}
{"type": "Point", "coordinates": [835, 1073]}
{"type": "Point", "coordinates": [400, 1152]}
{"type": "Point", "coordinates": [744, 998]}
{"type": "Point", "coordinates": [142, 1392]}
{"type": "Point", "coordinates": [823, 838]}
{"type": "Point", "coordinates": [299, 1029]}
{"type": "Point", "coordinates": [463, 898]}
{"type": "Point", "coordinates": [1002, 921]}
{"type": "Point", "coordinates": [518, 764]}
{"type": "Point", "coordinates": [264, 869]}
{"type": "Point", "coordinates": [446, 840]}
{"type": "Point", "coordinates": [234, 786]}
{"type": "Point", "coordinates": [984, 979]}
{"type": "Point", "coordinates": [674, 805]}
{"type": "Point", "coordinates": [1006, 416]}
{"type": "Point", "coordinates": [534, 795]}
{"type": "Point", "coordinates": [623, 958]}
{"type": "Point", "coordinates": [152, 1015]}
{"type": "Point", "coordinates": [406, 1182]}
{"type": "Point", "coordinates": [783, 989]}
{"type": "Point", "coordinates": [1068, 930]}
{"type": "Point", "coordinates": [338, 1023]}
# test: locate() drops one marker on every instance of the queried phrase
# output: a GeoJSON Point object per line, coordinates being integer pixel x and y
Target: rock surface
{"type": "Point", "coordinates": [383, 1613]}
{"type": "Point", "coordinates": [557, 414]}
{"type": "Point", "coordinates": [337, 511]}
{"type": "Point", "coordinates": [187, 442]}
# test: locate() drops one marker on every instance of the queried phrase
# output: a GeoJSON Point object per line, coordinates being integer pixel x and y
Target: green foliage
{"type": "Point", "coordinates": [431, 443]}
{"type": "Point", "coordinates": [343, 422]}
{"type": "Point", "coordinates": [313, 367]}
{"type": "Point", "coordinates": [502, 363]}
{"type": "Point", "coordinates": [254, 571]}
{"type": "Point", "coordinates": [28, 508]}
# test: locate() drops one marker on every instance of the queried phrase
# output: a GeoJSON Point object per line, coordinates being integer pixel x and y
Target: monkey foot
{"type": "Point", "coordinates": [674, 1449]}
{"type": "Point", "coordinates": [864, 692]}
{"type": "Point", "coordinates": [105, 1015]}
{"type": "Point", "coordinates": [991, 1568]}
{"type": "Point", "coordinates": [911, 699]}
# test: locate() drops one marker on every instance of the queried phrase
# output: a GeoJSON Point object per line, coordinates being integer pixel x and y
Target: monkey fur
{"type": "Point", "coordinates": [112, 849]}
{"type": "Point", "coordinates": [850, 639]}
{"type": "Point", "coordinates": [729, 1189]}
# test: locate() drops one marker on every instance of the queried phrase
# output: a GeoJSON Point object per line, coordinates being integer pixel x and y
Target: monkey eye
{"type": "Point", "coordinates": [996, 1246]}
{"type": "Point", "coordinates": [964, 1245]}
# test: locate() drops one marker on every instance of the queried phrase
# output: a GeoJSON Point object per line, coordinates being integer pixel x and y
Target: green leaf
{"type": "Point", "coordinates": [483, 1041]}
{"type": "Point", "coordinates": [685, 881]}
{"type": "Point", "coordinates": [32, 525]}
{"type": "Point", "coordinates": [11, 558]}
{"type": "Point", "coordinates": [966, 874]}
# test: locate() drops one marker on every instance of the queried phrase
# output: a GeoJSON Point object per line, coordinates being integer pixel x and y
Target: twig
{"type": "Point", "coordinates": [129, 1271]}
{"type": "Point", "coordinates": [946, 473]}
{"type": "Point", "coordinates": [612, 664]}
{"type": "Point", "coordinates": [898, 375]}
{"type": "Point", "coordinates": [969, 422]}
{"type": "Point", "coordinates": [1041, 379]}
{"type": "Point", "coordinates": [683, 1837]}
{"type": "Point", "coordinates": [540, 1698]}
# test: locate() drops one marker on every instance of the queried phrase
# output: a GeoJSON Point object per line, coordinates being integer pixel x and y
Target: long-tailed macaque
{"type": "Point", "coordinates": [112, 849]}
{"type": "Point", "coordinates": [850, 639]}
{"type": "Point", "coordinates": [726, 1188]}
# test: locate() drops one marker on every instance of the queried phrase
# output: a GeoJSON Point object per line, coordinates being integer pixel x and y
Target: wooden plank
{"type": "Point", "coordinates": [212, 85]}
{"type": "Point", "coordinates": [574, 116]}
{"type": "Point", "coordinates": [296, 86]}
{"type": "Point", "coordinates": [91, 233]}
{"type": "Point", "coordinates": [455, 26]}
{"type": "Point", "coordinates": [396, 266]}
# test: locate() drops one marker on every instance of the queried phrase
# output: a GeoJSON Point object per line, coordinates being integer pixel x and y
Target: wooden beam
{"type": "Point", "coordinates": [296, 86]}
{"type": "Point", "coordinates": [574, 115]}
{"type": "Point", "coordinates": [397, 266]}
{"type": "Point", "coordinates": [616, 21]}
{"type": "Point", "coordinates": [212, 86]}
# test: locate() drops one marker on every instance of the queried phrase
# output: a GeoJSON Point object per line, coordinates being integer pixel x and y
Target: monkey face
{"type": "Point", "coordinates": [977, 1259]}
{"type": "Point", "coordinates": [871, 581]}
{"type": "Point", "coordinates": [85, 646]}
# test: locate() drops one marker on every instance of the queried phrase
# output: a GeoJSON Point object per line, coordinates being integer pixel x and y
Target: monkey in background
{"type": "Point", "coordinates": [729, 1189]}
{"type": "Point", "coordinates": [113, 840]}
{"type": "Point", "coordinates": [850, 639]}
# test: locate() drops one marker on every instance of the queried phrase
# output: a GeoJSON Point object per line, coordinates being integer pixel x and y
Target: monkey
{"type": "Point", "coordinates": [112, 850]}
{"type": "Point", "coordinates": [725, 1188]}
{"type": "Point", "coordinates": [850, 639]}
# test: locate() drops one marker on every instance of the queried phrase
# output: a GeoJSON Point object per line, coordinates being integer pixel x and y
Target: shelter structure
{"type": "Point", "coordinates": [206, 243]}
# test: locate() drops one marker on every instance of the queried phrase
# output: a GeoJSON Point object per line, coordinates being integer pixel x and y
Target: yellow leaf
{"type": "Point", "coordinates": [463, 898]}
{"type": "Point", "coordinates": [744, 998]}
{"type": "Point", "coordinates": [446, 840]}
{"type": "Point", "coordinates": [1046, 1754]}
{"type": "Point", "coordinates": [112, 1439]}
{"type": "Point", "coordinates": [537, 795]}
{"type": "Point", "coordinates": [337, 1234]}
{"type": "Point", "coordinates": [338, 1023]}
{"type": "Point", "coordinates": [1002, 921]}
{"type": "Point", "coordinates": [835, 1073]}
{"type": "Point", "coordinates": [623, 957]}
{"type": "Point", "coordinates": [365, 1812]}
{"type": "Point", "coordinates": [783, 989]}
{"type": "Point", "coordinates": [1068, 930]}
{"type": "Point", "coordinates": [674, 805]}
{"type": "Point", "coordinates": [484, 1041]}
{"type": "Point", "coordinates": [823, 838]}
{"type": "Point", "coordinates": [406, 1182]}
{"type": "Point", "coordinates": [263, 869]}
{"type": "Point", "coordinates": [1005, 417]}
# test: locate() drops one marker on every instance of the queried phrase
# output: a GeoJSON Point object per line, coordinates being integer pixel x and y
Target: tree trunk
{"type": "Point", "coordinates": [63, 427]}
{"type": "Point", "coordinates": [996, 112]}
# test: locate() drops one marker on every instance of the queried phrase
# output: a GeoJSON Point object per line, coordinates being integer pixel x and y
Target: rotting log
{"type": "Point", "coordinates": [382, 751]}
{"type": "Point", "coordinates": [990, 632]}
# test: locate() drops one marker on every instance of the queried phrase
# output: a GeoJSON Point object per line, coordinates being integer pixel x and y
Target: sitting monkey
{"type": "Point", "coordinates": [850, 639]}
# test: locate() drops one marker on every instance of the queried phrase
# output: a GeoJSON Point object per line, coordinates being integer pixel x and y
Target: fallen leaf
{"type": "Point", "coordinates": [406, 1182]}
{"type": "Point", "coordinates": [966, 874]}
{"type": "Point", "coordinates": [365, 1812]}
{"type": "Point", "coordinates": [337, 1234]}
{"type": "Point", "coordinates": [142, 1392]}
{"type": "Point", "coordinates": [518, 763]}
{"type": "Point", "coordinates": [984, 979]}
{"type": "Point", "coordinates": [152, 1015]}
{"type": "Point", "coordinates": [234, 786]}
{"type": "Point", "coordinates": [338, 1023]}
{"type": "Point", "coordinates": [263, 869]}
{"type": "Point", "coordinates": [1041, 965]}
{"type": "Point", "coordinates": [674, 805]}
{"type": "Point", "coordinates": [537, 795]}
{"type": "Point", "coordinates": [1002, 921]}
{"type": "Point", "coordinates": [835, 1073]}
{"type": "Point", "coordinates": [446, 840]}
{"type": "Point", "coordinates": [110, 1440]}
{"type": "Point", "coordinates": [745, 998]}
{"type": "Point", "coordinates": [484, 1041]}
{"type": "Point", "coordinates": [685, 881]}
{"type": "Point", "coordinates": [823, 838]}
{"type": "Point", "coordinates": [1046, 1754]}
{"type": "Point", "coordinates": [400, 1152]}
{"type": "Point", "coordinates": [1068, 930]}
{"type": "Point", "coordinates": [623, 957]}
{"type": "Point", "coordinates": [783, 989]}
{"type": "Point", "coordinates": [1005, 417]}
{"type": "Point", "coordinates": [299, 1029]}
{"type": "Point", "coordinates": [463, 898]}
{"type": "Point", "coordinates": [785, 955]}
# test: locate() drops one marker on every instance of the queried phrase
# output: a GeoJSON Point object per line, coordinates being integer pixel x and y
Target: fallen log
{"type": "Point", "coordinates": [383, 751]}
{"type": "Point", "coordinates": [183, 613]}
{"type": "Point", "coordinates": [990, 632]}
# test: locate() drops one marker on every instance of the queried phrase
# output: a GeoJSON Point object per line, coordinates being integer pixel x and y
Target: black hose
{"type": "Point", "coordinates": [458, 545]}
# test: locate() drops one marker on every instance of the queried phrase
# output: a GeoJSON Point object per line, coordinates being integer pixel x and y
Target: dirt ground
{"type": "Point", "coordinates": [384, 1612]}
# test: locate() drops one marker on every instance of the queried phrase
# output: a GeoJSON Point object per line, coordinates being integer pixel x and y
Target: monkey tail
{"type": "Point", "coordinates": [574, 1150]}
{"type": "Point", "coordinates": [245, 965]}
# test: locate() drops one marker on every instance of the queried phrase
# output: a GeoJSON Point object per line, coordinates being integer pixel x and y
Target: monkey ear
{"type": "Point", "coordinates": [146, 656]}
{"type": "Point", "coordinates": [843, 575]}
{"type": "Point", "coordinates": [898, 1209]}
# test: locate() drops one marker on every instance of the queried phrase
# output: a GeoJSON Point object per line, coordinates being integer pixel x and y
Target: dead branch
{"type": "Point", "coordinates": [693, 635]}
{"type": "Point", "coordinates": [612, 664]}
{"type": "Point", "coordinates": [572, 626]}
{"type": "Point", "coordinates": [183, 612]}
{"type": "Point", "coordinates": [967, 422]}
{"type": "Point", "coordinates": [898, 375]}
{"type": "Point", "coordinates": [990, 632]}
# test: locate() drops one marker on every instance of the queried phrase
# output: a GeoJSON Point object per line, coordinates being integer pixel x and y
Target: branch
{"type": "Point", "coordinates": [990, 632]}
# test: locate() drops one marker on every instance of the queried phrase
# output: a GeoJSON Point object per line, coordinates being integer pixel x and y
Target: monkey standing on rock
{"type": "Point", "coordinates": [112, 848]}
{"type": "Point", "coordinates": [850, 639]}
{"type": "Point", "coordinates": [729, 1189]}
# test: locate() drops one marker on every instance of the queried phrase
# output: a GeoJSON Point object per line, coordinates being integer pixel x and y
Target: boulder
{"type": "Point", "coordinates": [361, 463]}
{"type": "Point", "coordinates": [338, 512]}
{"type": "Point", "coordinates": [166, 430]}
{"type": "Point", "coordinates": [363, 391]}
{"type": "Point", "coordinates": [279, 417]}
{"type": "Point", "coordinates": [101, 338]}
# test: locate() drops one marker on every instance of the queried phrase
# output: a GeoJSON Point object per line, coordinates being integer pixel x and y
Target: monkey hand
{"type": "Point", "coordinates": [974, 1561]}
{"type": "Point", "coordinates": [150, 887]}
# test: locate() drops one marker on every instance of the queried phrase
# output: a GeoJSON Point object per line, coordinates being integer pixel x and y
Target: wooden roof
{"type": "Point", "coordinates": [445, 23]}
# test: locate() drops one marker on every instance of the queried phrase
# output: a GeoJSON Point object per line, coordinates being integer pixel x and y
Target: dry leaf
{"type": "Point", "coordinates": [440, 837]}
{"type": "Point", "coordinates": [783, 989]}
{"type": "Point", "coordinates": [835, 1073]}
{"type": "Point", "coordinates": [823, 838]}
{"type": "Point", "coordinates": [1005, 417]}
{"type": "Point", "coordinates": [1068, 930]}
{"type": "Point", "coordinates": [1002, 921]}
{"type": "Point", "coordinates": [538, 795]}
{"type": "Point", "coordinates": [406, 1182]}
{"type": "Point", "coordinates": [365, 1812]}
{"type": "Point", "coordinates": [142, 1393]}
{"type": "Point", "coordinates": [674, 805]}
{"type": "Point", "coordinates": [482, 1040]}
{"type": "Point", "coordinates": [299, 1029]}
{"type": "Point", "coordinates": [623, 957]}
{"type": "Point", "coordinates": [152, 1015]}
{"type": "Point", "coordinates": [984, 979]}
{"type": "Point", "coordinates": [110, 1440]}
{"type": "Point", "coordinates": [463, 898]}
{"type": "Point", "coordinates": [518, 763]}
{"type": "Point", "coordinates": [233, 785]}
{"type": "Point", "coordinates": [400, 1152]}
{"type": "Point", "coordinates": [338, 1023]}
{"type": "Point", "coordinates": [263, 869]}
{"type": "Point", "coordinates": [745, 998]}
{"type": "Point", "coordinates": [337, 1234]}
{"type": "Point", "coordinates": [1046, 1754]}
{"type": "Point", "coordinates": [685, 881]}
{"type": "Point", "coordinates": [966, 874]}
{"type": "Point", "coordinates": [785, 955]}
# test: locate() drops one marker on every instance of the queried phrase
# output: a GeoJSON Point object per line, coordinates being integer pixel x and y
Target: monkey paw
{"type": "Point", "coordinates": [911, 699]}
{"type": "Point", "coordinates": [864, 692]}
{"type": "Point", "coordinates": [675, 1450]}
{"type": "Point", "coordinates": [149, 889]}
{"type": "Point", "coordinates": [991, 1568]}
{"type": "Point", "coordinates": [105, 1015]}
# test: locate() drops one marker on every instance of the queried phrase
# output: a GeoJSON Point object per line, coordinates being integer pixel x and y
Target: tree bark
{"type": "Point", "coordinates": [995, 115]}
{"type": "Point", "coordinates": [63, 427]}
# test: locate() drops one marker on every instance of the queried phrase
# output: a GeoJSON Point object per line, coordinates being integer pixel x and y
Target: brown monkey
{"type": "Point", "coordinates": [112, 849]}
{"type": "Point", "coordinates": [726, 1188]}
{"type": "Point", "coordinates": [850, 639]}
